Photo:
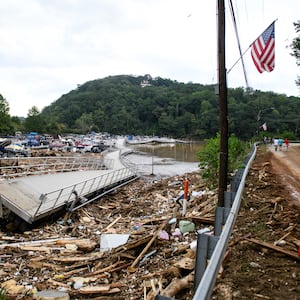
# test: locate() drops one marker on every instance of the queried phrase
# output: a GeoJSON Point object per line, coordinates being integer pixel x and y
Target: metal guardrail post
{"type": "Point", "coordinates": [228, 198]}
{"type": "Point", "coordinates": [205, 247]}
{"type": "Point", "coordinates": [221, 215]}
{"type": "Point", "coordinates": [237, 179]}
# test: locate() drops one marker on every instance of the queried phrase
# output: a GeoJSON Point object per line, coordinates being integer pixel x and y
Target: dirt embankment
{"type": "Point", "coordinates": [261, 262]}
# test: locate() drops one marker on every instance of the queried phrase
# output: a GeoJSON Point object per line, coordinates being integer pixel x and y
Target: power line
{"type": "Point", "coordinates": [238, 41]}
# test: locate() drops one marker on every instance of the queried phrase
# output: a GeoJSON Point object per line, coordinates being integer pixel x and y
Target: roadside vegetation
{"type": "Point", "coordinates": [209, 157]}
{"type": "Point", "coordinates": [2, 295]}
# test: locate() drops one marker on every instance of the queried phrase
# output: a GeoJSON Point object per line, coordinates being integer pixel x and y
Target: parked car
{"type": "Point", "coordinates": [98, 148]}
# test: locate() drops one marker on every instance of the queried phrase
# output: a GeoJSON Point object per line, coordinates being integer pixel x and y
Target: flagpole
{"type": "Point", "coordinates": [241, 56]}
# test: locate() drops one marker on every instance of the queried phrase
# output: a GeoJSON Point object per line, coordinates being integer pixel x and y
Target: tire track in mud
{"type": "Point", "coordinates": [286, 164]}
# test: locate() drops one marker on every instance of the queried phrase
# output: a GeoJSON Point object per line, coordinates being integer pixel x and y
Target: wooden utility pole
{"type": "Point", "coordinates": [223, 170]}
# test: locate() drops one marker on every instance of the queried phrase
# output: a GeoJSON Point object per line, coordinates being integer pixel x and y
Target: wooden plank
{"type": "Point", "coordinates": [275, 248]}
{"type": "Point", "coordinates": [131, 268]}
{"type": "Point", "coordinates": [203, 220]}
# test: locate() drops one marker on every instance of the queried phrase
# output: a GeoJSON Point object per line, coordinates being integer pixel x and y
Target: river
{"type": "Point", "coordinates": [165, 160]}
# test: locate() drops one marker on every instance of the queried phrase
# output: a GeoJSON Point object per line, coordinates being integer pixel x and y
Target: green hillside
{"type": "Point", "coordinates": [155, 106]}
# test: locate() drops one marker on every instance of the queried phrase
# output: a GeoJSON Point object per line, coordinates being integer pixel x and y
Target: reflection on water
{"type": "Point", "coordinates": [179, 152]}
{"type": "Point", "coordinates": [164, 160]}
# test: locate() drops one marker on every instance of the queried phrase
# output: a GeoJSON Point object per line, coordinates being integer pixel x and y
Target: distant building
{"type": "Point", "coordinates": [145, 83]}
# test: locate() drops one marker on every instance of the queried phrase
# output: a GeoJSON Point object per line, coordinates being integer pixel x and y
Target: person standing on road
{"type": "Point", "coordinates": [265, 140]}
{"type": "Point", "coordinates": [275, 142]}
{"type": "Point", "coordinates": [280, 143]}
{"type": "Point", "coordinates": [286, 142]}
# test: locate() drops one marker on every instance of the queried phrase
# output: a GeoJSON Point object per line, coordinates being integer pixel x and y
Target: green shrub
{"type": "Point", "coordinates": [209, 160]}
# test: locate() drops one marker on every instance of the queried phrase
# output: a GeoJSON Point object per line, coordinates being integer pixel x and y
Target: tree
{"type": "Point", "coordinates": [84, 124]}
{"type": "Point", "coordinates": [17, 123]}
{"type": "Point", "coordinates": [34, 121]}
{"type": "Point", "coordinates": [119, 105]}
{"type": "Point", "coordinates": [5, 122]}
{"type": "Point", "coordinates": [295, 46]}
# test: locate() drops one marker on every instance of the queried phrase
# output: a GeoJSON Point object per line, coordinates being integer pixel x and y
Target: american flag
{"type": "Point", "coordinates": [264, 126]}
{"type": "Point", "coordinates": [263, 50]}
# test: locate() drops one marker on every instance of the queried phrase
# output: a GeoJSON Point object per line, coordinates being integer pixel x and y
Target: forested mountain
{"type": "Point", "coordinates": [155, 106]}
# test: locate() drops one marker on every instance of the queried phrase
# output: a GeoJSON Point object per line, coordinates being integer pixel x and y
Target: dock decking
{"type": "Point", "coordinates": [35, 197]}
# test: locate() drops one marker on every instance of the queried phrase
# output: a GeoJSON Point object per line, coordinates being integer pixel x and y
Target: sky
{"type": "Point", "coordinates": [49, 47]}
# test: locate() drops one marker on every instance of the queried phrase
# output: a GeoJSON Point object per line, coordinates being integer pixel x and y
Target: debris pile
{"type": "Point", "coordinates": [131, 244]}
{"type": "Point", "coordinates": [136, 242]}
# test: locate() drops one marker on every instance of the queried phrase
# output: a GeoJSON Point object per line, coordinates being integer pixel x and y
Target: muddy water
{"type": "Point", "coordinates": [164, 160]}
{"type": "Point", "coordinates": [179, 152]}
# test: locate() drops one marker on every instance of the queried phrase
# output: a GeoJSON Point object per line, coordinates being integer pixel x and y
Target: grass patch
{"type": "Point", "coordinates": [2, 295]}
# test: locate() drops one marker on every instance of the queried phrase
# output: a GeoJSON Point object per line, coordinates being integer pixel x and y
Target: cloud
{"type": "Point", "coordinates": [48, 47]}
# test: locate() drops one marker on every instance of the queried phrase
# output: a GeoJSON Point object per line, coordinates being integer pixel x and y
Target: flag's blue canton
{"type": "Point", "coordinates": [268, 33]}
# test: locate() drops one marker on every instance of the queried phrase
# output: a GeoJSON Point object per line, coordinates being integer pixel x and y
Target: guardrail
{"type": "Point", "coordinates": [213, 248]}
{"type": "Point", "coordinates": [205, 285]}
{"type": "Point", "coordinates": [24, 166]}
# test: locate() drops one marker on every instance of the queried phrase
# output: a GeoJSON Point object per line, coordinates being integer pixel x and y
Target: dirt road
{"type": "Point", "coordinates": [286, 163]}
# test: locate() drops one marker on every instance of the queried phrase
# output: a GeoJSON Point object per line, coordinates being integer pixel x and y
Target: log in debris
{"type": "Point", "coordinates": [178, 285]}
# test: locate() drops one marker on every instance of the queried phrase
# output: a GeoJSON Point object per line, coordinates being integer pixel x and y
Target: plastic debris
{"type": "Point", "coordinates": [186, 226]}
{"type": "Point", "coordinates": [164, 235]}
{"type": "Point", "coordinates": [112, 240]}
